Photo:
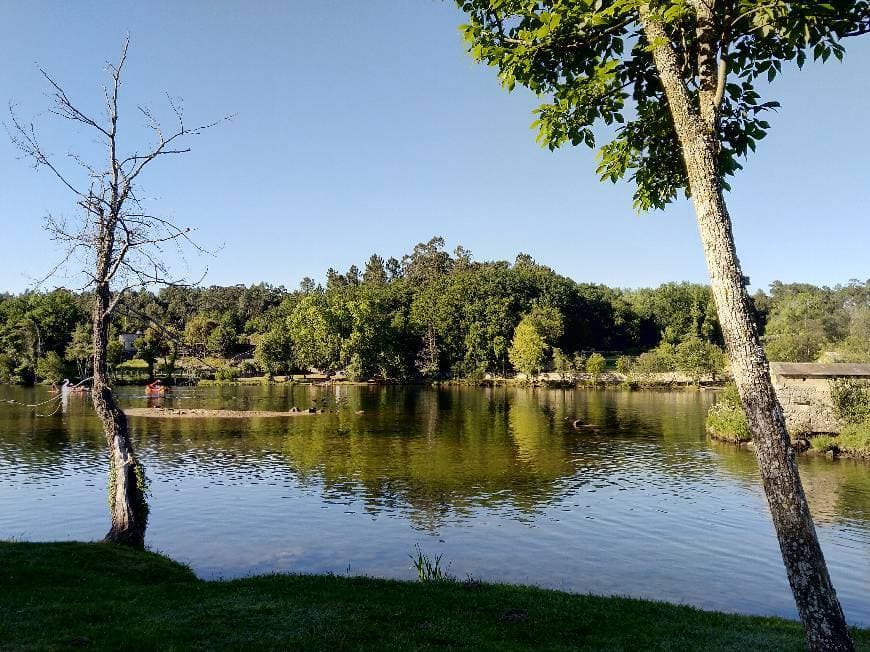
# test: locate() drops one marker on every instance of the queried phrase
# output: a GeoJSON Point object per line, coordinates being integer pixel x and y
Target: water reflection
{"type": "Point", "coordinates": [497, 479]}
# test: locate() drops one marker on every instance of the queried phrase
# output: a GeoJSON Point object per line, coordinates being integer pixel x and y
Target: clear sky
{"type": "Point", "coordinates": [363, 127]}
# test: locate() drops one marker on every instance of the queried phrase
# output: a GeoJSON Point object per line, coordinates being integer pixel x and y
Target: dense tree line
{"type": "Point", "coordinates": [35, 330]}
{"type": "Point", "coordinates": [430, 313]}
{"type": "Point", "coordinates": [434, 314]}
{"type": "Point", "coordinates": [803, 323]}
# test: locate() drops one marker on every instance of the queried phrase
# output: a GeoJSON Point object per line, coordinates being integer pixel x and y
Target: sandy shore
{"type": "Point", "coordinates": [199, 413]}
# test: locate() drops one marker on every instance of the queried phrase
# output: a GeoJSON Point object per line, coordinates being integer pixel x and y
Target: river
{"type": "Point", "coordinates": [498, 481]}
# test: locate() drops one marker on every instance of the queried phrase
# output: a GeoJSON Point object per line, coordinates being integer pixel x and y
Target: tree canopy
{"type": "Point", "coordinates": [459, 317]}
{"type": "Point", "coordinates": [590, 63]}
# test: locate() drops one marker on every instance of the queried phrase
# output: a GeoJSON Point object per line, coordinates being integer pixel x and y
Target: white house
{"type": "Point", "coordinates": [127, 340]}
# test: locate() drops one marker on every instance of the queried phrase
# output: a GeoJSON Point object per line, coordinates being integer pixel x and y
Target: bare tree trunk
{"type": "Point", "coordinates": [805, 565]}
{"type": "Point", "coordinates": [126, 485]}
{"type": "Point", "coordinates": [125, 242]}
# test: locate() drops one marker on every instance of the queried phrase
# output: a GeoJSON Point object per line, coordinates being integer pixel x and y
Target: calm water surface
{"type": "Point", "coordinates": [497, 480]}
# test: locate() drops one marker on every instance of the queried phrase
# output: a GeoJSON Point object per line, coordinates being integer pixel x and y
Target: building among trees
{"type": "Point", "coordinates": [805, 392]}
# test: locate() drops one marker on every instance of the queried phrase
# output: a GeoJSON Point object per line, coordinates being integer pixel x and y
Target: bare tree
{"type": "Point", "coordinates": [122, 247]}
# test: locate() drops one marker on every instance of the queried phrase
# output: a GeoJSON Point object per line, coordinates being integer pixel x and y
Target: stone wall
{"type": "Point", "coordinates": [806, 404]}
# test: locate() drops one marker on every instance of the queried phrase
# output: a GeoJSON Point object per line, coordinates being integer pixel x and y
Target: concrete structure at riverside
{"type": "Point", "coordinates": [804, 390]}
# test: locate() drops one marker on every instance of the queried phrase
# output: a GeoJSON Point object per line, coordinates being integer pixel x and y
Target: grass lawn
{"type": "Point", "coordinates": [65, 595]}
{"type": "Point", "coordinates": [134, 364]}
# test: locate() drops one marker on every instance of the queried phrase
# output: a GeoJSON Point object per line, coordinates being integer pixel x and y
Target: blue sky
{"type": "Point", "coordinates": [363, 127]}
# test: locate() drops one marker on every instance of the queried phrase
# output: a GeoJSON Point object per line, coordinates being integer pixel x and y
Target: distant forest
{"type": "Point", "coordinates": [429, 314]}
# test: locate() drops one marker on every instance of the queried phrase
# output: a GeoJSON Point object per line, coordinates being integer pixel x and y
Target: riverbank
{"type": "Point", "coordinates": [813, 445]}
{"type": "Point", "coordinates": [726, 422]}
{"type": "Point", "coordinates": [98, 596]}
{"type": "Point", "coordinates": [551, 380]}
{"type": "Point", "coordinates": [607, 380]}
{"type": "Point", "coordinates": [202, 413]}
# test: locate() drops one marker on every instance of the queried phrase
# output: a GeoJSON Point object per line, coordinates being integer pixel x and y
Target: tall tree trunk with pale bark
{"type": "Point", "coordinates": [805, 565]}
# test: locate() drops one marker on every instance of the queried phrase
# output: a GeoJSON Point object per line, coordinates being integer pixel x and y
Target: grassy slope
{"type": "Point", "coordinates": [62, 595]}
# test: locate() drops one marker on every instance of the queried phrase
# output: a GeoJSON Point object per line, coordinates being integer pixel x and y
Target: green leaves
{"type": "Point", "coordinates": [646, 150]}
{"type": "Point", "coordinates": [528, 350]}
{"type": "Point", "coordinates": [591, 66]}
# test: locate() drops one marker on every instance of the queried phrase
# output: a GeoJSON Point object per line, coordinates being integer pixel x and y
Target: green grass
{"type": "Point", "coordinates": [133, 364]}
{"type": "Point", "coordinates": [855, 439]}
{"type": "Point", "coordinates": [726, 420]}
{"type": "Point", "coordinates": [98, 596]}
{"type": "Point", "coordinates": [247, 380]}
{"type": "Point", "coordinates": [823, 443]}
{"type": "Point", "coordinates": [728, 424]}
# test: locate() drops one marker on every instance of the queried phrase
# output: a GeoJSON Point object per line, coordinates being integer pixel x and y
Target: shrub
{"type": "Point", "coordinates": [562, 364]}
{"type": "Point", "coordinates": [595, 365]}
{"type": "Point", "coordinates": [823, 443]}
{"type": "Point", "coordinates": [659, 360]}
{"type": "Point", "coordinates": [51, 368]}
{"type": "Point", "coordinates": [528, 348]}
{"type": "Point", "coordinates": [731, 396]}
{"type": "Point", "coordinates": [226, 373]}
{"type": "Point", "coordinates": [851, 400]}
{"type": "Point", "coordinates": [475, 376]}
{"type": "Point", "coordinates": [855, 439]}
{"type": "Point", "coordinates": [355, 369]}
{"type": "Point", "coordinates": [726, 419]}
{"type": "Point", "coordinates": [698, 358]}
{"type": "Point", "coordinates": [623, 365]}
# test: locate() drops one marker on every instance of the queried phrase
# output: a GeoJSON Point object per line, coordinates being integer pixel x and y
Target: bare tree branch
{"type": "Point", "coordinates": [124, 239]}
{"type": "Point", "coordinates": [24, 138]}
{"type": "Point", "coordinates": [64, 107]}
{"type": "Point", "coordinates": [125, 246]}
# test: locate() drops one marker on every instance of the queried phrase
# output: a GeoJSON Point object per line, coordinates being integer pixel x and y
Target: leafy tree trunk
{"type": "Point", "coordinates": [126, 485]}
{"type": "Point", "coordinates": [814, 594]}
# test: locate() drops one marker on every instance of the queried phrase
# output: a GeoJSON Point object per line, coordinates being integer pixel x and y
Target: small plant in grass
{"type": "Point", "coordinates": [428, 568]}
{"type": "Point", "coordinates": [726, 419]}
{"type": "Point", "coordinates": [823, 443]}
